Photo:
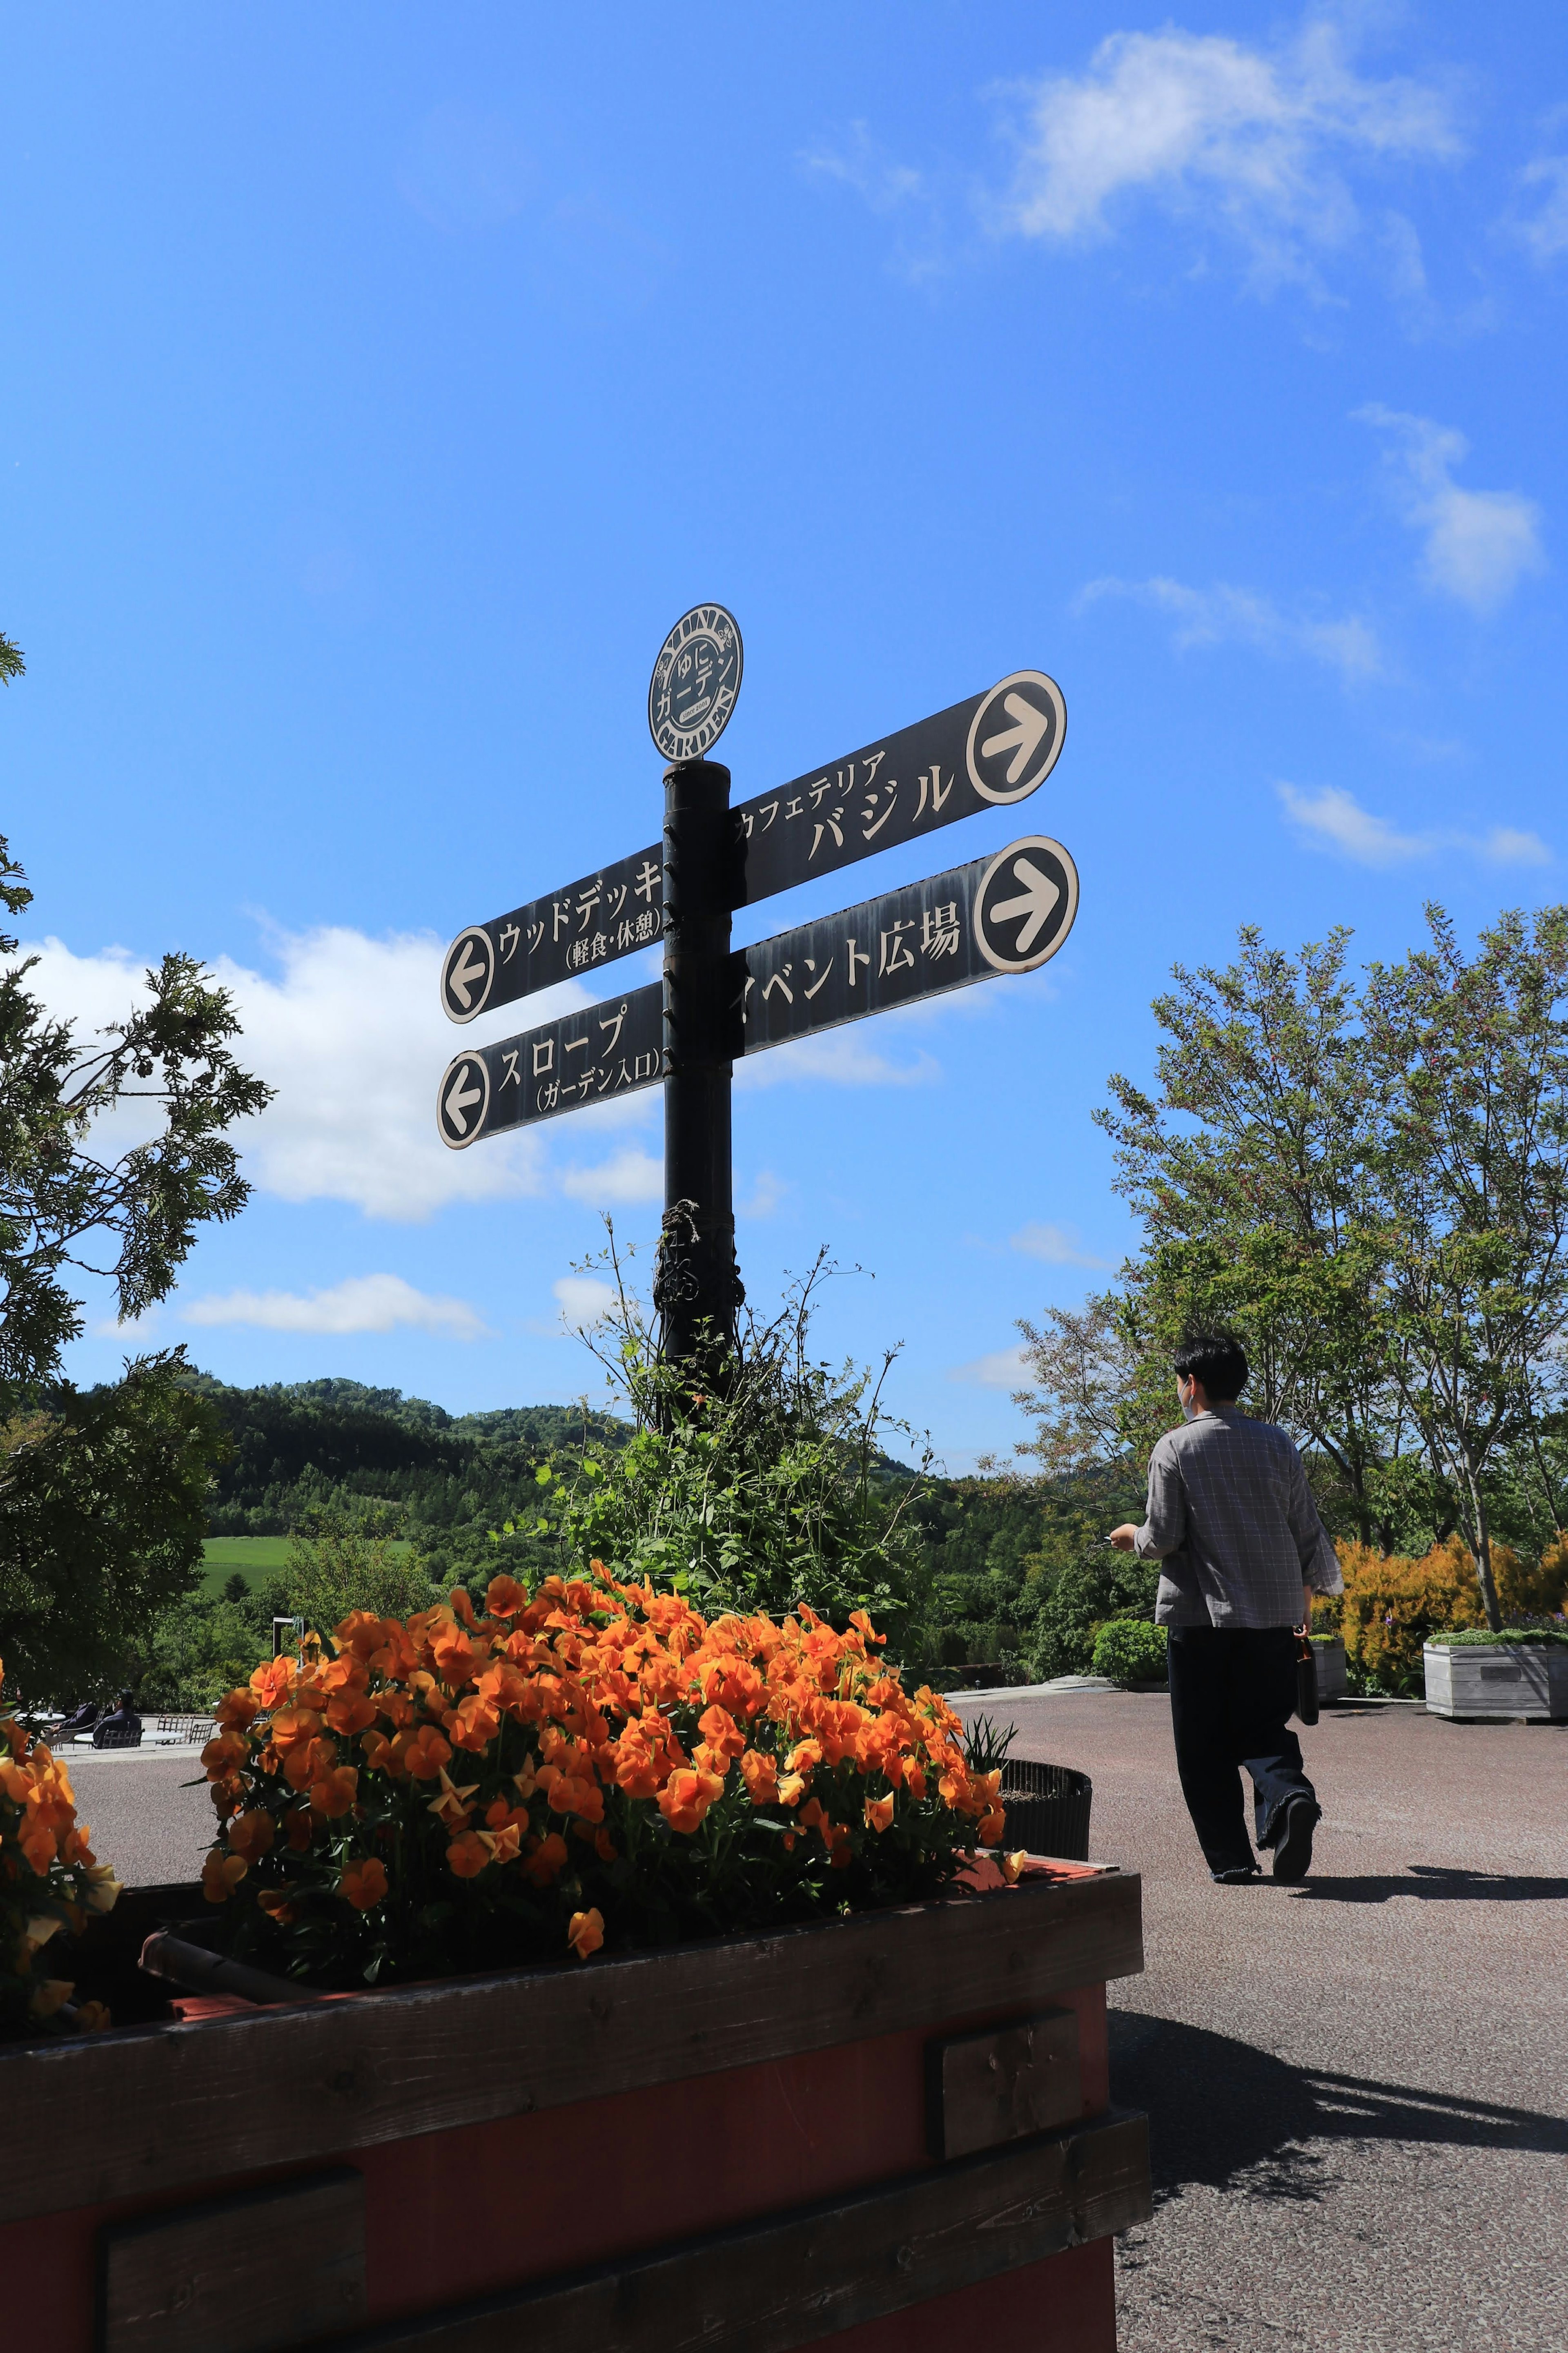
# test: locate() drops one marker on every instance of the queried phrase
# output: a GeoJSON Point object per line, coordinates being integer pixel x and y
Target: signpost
{"type": "Point", "coordinates": [1007, 914]}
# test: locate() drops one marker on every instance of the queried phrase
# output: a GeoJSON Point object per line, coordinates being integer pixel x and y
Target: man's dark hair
{"type": "Point", "coordinates": [1218, 1360]}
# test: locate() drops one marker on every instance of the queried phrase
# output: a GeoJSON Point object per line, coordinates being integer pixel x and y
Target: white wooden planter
{"type": "Point", "coordinates": [1330, 1654]}
{"type": "Point", "coordinates": [1502, 1679]}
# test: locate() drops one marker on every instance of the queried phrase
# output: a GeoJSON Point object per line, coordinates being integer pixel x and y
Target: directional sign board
{"type": "Point", "coordinates": [1003, 914]}
{"type": "Point", "coordinates": [583, 1058]}
{"type": "Point", "coordinates": [608, 914]}
{"type": "Point", "coordinates": [993, 750]}
{"type": "Point", "coordinates": [1009, 913]}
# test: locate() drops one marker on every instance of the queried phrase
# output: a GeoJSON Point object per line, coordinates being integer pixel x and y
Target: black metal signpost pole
{"type": "Point", "coordinates": [696, 1290]}
{"type": "Point", "coordinates": [1002, 914]}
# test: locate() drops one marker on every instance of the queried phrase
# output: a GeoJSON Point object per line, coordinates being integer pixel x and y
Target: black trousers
{"type": "Point", "coordinates": [1233, 1690]}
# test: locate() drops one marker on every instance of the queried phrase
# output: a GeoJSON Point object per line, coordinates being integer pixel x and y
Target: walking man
{"type": "Point", "coordinates": [1242, 1552]}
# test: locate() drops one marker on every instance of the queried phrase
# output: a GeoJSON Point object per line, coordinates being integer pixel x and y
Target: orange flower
{"type": "Point", "coordinates": [791, 1788]}
{"type": "Point", "coordinates": [721, 1733]}
{"type": "Point", "coordinates": [687, 1796]}
{"type": "Point", "coordinates": [273, 1681]}
{"type": "Point", "coordinates": [468, 1855]}
{"type": "Point", "coordinates": [586, 1933]}
{"type": "Point", "coordinates": [761, 1776]}
{"type": "Point", "coordinates": [1012, 1865]}
{"type": "Point", "coordinates": [250, 1835]}
{"type": "Point", "coordinates": [300, 1828]}
{"type": "Point", "coordinates": [334, 1792]}
{"type": "Point", "coordinates": [547, 1860]}
{"type": "Point", "coordinates": [363, 1884]}
{"type": "Point", "coordinates": [351, 1712]}
{"type": "Point", "coordinates": [504, 1597]}
{"type": "Point", "coordinates": [502, 1845]}
{"type": "Point", "coordinates": [274, 1902]}
{"type": "Point", "coordinates": [423, 1752]}
{"type": "Point", "coordinates": [92, 2018]}
{"type": "Point", "coordinates": [221, 1875]}
{"type": "Point", "coordinates": [991, 1828]}
{"type": "Point", "coordinates": [878, 1813]}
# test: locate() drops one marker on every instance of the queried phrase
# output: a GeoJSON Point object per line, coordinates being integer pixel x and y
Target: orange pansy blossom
{"type": "Point", "coordinates": [49, 1881]}
{"type": "Point", "coordinates": [588, 1749]}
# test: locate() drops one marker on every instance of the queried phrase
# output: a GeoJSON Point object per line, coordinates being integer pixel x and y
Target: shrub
{"type": "Point", "coordinates": [1130, 1650]}
{"type": "Point", "coordinates": [1083, 1595]}
{"type": "Point", "coordinates": [48, 1881]}
{"type": "Point", "coordinates": [1391, 1604]}
{"type": "Point", "coordinates": [1479, 1635]}
{"type": "Point", "coordinates": [592, 1765]}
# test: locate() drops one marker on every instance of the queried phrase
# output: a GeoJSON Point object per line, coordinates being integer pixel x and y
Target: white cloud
{"type": "Point", "coordinates": [633, 1174]}
{"type": "Point", "coordinates": [1545, 232]}
{"type": "Point", "coordinates": [1479, 543]}
{"type": "Point", "coordinates": [1055, 1245]}
{"type": "Point", "coordinates": [1333, 819]}
{"type": "Point", "coordinates": [1002, 1370]}
{"type": "Point", "coordinates": [862, 163]}
{"type": "Point", "coordinates": [363, 1302]}
{"type": "Point", "coordinates": [843, 1057]}
{"type": "Point", "coordinates": [352, 1038]}
{"type": "Point", "coordinates": [582, 1298]}
{"type": "Point", "coordinates": [766, 1193]}
{"type": "Point", "coordinates": [1249, 140]}
{"type": "Point", "coordinates": [1223, 615]}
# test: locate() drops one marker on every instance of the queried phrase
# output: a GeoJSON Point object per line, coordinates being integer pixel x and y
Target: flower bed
{"type": "Point", "coordinates": [857, 2105]}
{"type": "Point", "coordinates": [591, 1766]}
{"type": "Point", "coordinates": [754, 2141]}
{"type": "Point", "coordinates": [49, 1881]}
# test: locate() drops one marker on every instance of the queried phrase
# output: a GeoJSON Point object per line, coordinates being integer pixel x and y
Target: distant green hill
{"type": "Point", "coordinates": [314, 1445]}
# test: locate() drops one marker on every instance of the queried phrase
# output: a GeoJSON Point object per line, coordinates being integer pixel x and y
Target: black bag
{"type": "Point", "coordinates": [1307, 1683]}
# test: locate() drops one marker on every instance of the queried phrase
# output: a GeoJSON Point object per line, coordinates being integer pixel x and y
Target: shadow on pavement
{"type": "Point", "coordinates": [1227, 2115]}
{"type": "Point", "coordinates": [1433, 1880]}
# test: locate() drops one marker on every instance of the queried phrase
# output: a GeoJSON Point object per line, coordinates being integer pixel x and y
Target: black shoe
{"type": "Point", "coordinates": [1293, 1845]}
{"type": "Point", "coordinates": [1236, 1876]}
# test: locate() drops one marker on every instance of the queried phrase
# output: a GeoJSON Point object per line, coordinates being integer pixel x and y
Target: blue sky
{"type": "Point", "coordinates": [380, 383]}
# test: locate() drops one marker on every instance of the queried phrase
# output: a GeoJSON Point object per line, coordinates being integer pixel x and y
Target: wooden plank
{"type": "Point", "coordinates": [795, 2278]}
{"type": "Point", "coordinates": [115, 2115]}
{"type": "Point", "coordinates": [996, 2087]}
{"type": "Point", "coordinates": [253, 2274]}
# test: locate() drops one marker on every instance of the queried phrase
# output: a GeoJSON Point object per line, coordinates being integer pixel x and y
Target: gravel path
{"type": "Point", "coordinates": [1358, 2089]}
{"type": "Point", "coordinates": [153, 1829]}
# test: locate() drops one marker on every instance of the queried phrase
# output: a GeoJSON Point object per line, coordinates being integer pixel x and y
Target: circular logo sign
{"type": "Point", "coordinates": [462, 1099]}
{"type": "Point", "coordinates": [468, 969]}
{"type": "Point", "coordinates": [695, 681]}
{"type": "Point", "coordinates": [1016, 735]}
{"type": "Point", "coordinates": [1024, 906]}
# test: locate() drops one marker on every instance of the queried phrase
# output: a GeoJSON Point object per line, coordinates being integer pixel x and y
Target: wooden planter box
{"type": "Point", "coordinates": [1501, 1679]}
{"type": "Point", "coordinates": [1333, 1681]}
{"type": "Point", "coordinates": [849, 2131]}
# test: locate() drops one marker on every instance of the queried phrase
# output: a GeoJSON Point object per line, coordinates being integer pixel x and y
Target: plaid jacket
{"type": "Point", "coordinates": [1232, 1522]}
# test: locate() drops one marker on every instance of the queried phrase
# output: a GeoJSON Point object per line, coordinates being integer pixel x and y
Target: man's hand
{"type": "Point", "coordinates": [1308, 1598]}
{"type": "Point", "coordinates": [1125, 1537]}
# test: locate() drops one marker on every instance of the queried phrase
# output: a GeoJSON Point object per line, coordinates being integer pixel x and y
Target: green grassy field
{"type": "Point", "coordinates": [254, 1557]}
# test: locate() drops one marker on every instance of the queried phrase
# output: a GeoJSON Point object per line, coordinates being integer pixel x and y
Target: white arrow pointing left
{"type": "Point", "coordinates": [463, 975]}
{"type": "Point", "coordinates": [1023, 740]}
{"type": "Point", "coordinates": [1035, 904]}
{"type": "Point", "coordinates": [458, 1098]}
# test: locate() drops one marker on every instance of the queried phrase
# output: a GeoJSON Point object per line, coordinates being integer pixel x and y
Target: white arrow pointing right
{"type": "Point", "coordinates": [1032, 725]}
{"type": "Point", "coordinates": [461, 978]}
{"type": "Point", "coordinates": [1039, 897]}
{"type": "Point", "coordinates": [459, 1098]}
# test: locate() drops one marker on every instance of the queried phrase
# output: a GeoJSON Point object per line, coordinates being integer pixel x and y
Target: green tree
{"type": "Point", "coordinates": [340, 1561]}
{"type": "Point", "coordinates": [102, 1495]}
{"type": "Point", "coordinates": [1471, 1059]}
